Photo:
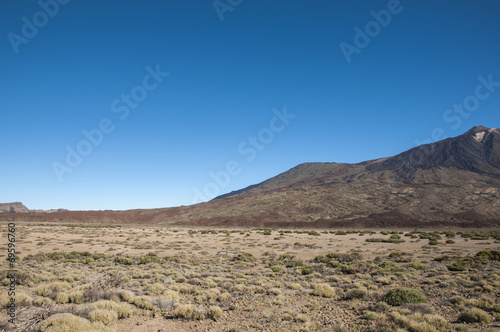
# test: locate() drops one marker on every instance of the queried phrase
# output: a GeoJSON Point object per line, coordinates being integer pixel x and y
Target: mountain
{"type": "Point", "coordinates": [453, 182]}
{"type": "Point", "coordinates": [476, 151]}
{"type": "Point", "coordinates": [15, 207]}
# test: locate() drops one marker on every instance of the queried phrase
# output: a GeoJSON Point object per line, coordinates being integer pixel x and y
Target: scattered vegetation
{"type": "Point", "coordinates": [293, 280]}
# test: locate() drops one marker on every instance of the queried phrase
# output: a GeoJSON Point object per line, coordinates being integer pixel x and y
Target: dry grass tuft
{"type": "Point", "coordinates": [323, 290]}
{"type": "Point", "coordinates": [68, 322]}
{"type": "Point", "coordinates": [107, 317]}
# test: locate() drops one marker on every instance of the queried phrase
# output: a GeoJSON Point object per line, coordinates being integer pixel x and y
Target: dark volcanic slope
{"type": "Point", "coordinates": [453, 182]}
{"type": "Point", "coordinates": [478, 151]}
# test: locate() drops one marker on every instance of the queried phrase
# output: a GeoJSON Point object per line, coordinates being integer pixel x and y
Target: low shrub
{"type": "Point", "coordinates": [53, 287]}
{"type": "Point", "coordinates": [400, 295]}
{"type": "Point", "coordinates": [143, 302]}
{"type": "Point", "coordinates": [156, 288]}
{"type": "Point", "coordinates": [189, 312]}
{"type": "Point", "coordinates": [127, 296]}
{"type": "Point", "coordinates": [323, 290]}
{"type": "Point", "coordinates": [171, 295]}
{"type": "Point", "coordinates": [124, 261]}
{"type": "Point", "coordinates": [149, 258]}
{"type": "Point", "coordinates": [124, 310]}
{"type": "Point", "coordinates": [343, 257]}
{"type": "Point", "coordinates": [62, 298]}
{"type": "Point", "coordinates": [474, 315]}
{"type": "Point", "coordinates": [69, 322]}
{"type": "Point", "coordinates": [107, 317]}
{"type": "Point", "coordinates": [276, 268]}
{"type": "Point", "coordinates": [244, 257]}
{"type": "Point", "coordinates": [493, 255]}
{"type": "Point", "coordinates": [76, 297]}
{"type": "Point", "coordinates": [395, 254]}
{"type": "Point", "coordinates": [295, 286]}
{"type": "Point", "coordinates": [275, 291]}
{"type": "Point", "coordinates": [42, 301]}
{"type": "Point", "coordinates": [457, 300]}
{"type": "Point", "coordinates": [418, 266]}
{"type": "Point", "coordinates": [358, 294]}
{"type": "Point", "coordinates": [214, 312]}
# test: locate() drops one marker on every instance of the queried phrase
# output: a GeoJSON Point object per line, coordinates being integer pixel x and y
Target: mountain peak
{"type": "Point", "coordinates": [477, 129]}
{"type": "Point", "coordinates": [462, 152]}
{"type": "Point", "coordinates": [481, 133]}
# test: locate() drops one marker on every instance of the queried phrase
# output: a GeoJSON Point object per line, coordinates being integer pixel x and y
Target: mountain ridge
{"type": "Point", "coordinates": [406, 164]}
{"type": "Point", "coordinates": [452, 182]}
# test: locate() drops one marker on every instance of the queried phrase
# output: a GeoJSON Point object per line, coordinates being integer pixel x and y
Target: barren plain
{"type": "Point", "coordinates": [97, 277]}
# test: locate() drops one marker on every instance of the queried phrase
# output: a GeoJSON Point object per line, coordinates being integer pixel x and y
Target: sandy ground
{"type": "Point", "coordinates": [138, 240]}
{"type": "Point", "coordinates": [202, 242]}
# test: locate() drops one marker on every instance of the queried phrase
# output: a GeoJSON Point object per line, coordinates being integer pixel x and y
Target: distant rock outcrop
{"type": "Point", "coordinates": [15, 207]}
{"type": "Point", "coordinates": [49, 211]}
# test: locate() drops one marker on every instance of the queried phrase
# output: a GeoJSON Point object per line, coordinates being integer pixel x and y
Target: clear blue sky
{"type": "Point", "coordinates": [229, 68]}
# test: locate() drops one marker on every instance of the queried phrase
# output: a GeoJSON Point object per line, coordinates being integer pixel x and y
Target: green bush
{"type": "Point", "coordinates": [395, 254]}
{"type": "Point", "coordinates": [457, 300]}
{"type": "Point", "coordinates": [449, 234]}
{"type": "Point", "coordinates": [358, 293]}
{"type": "Point", "coordinates": [124, 261]}
{"type": "Point", "coordinates": [474, 315]}
{"type": "Point", "coordinates": [344, 258]}
{"type": "Point", "coordinates": [418, 266]}
{"type": "Point", "coordinates": [307, 270]}
{"type": "Point", "coordinates": [149, 258]}
{"type": "Point", "coordinates": [276, 268]}
{"type": "Point", "coordinates": [399, 296]}
{"type": "Point", "coordinates": [460, 265]}
{"type": "Point", "coordinates": [321, 259]}
{"type": "Point", "coordinates": [347, 268]}
{"type": "Point", "coordinates": [493, 255]}
{"type": "Point", "coordinates": [387, 265]}
{"type": "Point", "coordinates": [290, 261]}
{"type": "Point", "coordinates": [442, 258]}
{"type": "Point", "coordinates": [393, 239]}
{"type": "Point", "coordinates": [244, 257]}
